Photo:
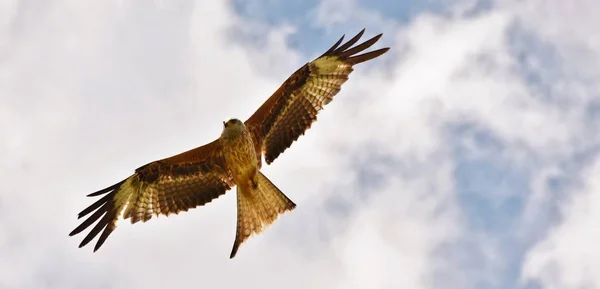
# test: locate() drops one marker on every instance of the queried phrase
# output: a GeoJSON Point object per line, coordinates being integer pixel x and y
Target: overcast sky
{"type": "Point", "coordinates": [465, 157]}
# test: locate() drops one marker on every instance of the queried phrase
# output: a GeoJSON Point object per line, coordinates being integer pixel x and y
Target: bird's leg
{"type": "Point", "coordinates": [254, 181]}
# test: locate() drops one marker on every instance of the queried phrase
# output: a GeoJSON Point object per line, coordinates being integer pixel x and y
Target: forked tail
{"type": "Point", "coordinates": [257, 209]}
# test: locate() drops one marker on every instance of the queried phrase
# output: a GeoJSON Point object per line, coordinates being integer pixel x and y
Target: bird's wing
{"type": "Point", "coordinates": [166, 186]}
{"type": "Point", "coordinates": [291, 110]}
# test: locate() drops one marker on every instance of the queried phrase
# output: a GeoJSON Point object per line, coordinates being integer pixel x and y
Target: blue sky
{"type": "Point", "coordinates": [464, 158]}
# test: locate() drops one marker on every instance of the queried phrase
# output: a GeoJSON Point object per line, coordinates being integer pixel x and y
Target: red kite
{"type": "Point", "coordinates": [198, 176]}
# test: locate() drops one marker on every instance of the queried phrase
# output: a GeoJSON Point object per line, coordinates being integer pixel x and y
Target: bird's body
{"type": "Point", "coordinates": [259, 201]}
{"type": "Point", "coordinates": [196, 177]}
{"type": "Point", "coordinates": [240, 153]}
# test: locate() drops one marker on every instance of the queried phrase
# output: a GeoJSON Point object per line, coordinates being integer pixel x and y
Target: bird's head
{"type": "Point", "coordinates": [233, 128]}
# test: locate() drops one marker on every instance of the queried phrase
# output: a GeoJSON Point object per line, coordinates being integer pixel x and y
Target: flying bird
{"type": "Point", "coordinates": [196, 177]}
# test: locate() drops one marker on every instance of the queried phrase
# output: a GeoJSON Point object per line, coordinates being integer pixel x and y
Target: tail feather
{"type": "Point", "coordinates": [258, 208]}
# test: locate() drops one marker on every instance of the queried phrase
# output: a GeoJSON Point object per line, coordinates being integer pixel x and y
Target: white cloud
{"type": "Point", "coordinates": [567, 257]}
{"type": "Point", "coordinates": [463, 70]}
{"type": "Point", "coordinates": [95, 91]}
{"type": "Point", "coordinates": [112, 90]}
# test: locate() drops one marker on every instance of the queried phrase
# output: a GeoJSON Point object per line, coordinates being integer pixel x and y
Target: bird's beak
{"type": "Point", "coordinates": [224, 125]}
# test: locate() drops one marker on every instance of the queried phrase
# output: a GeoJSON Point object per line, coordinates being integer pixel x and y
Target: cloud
{"type": "Point", "coordinates": [566, 258]}
{"type": "Point", "coordinates": [469, 118]}
{"type": "Point", "coordinates": [521, 99]}
{"type": "Point", "coordinates": [137, 82]}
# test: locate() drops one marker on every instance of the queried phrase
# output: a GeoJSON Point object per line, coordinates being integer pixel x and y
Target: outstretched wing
{"type": "Point", "coordinates": [171, 185]}
{"type": "Point", "coordinates": [292, 109]}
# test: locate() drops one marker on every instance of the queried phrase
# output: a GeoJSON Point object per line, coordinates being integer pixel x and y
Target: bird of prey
{"type": "Point", "coordinates": [196, 177]}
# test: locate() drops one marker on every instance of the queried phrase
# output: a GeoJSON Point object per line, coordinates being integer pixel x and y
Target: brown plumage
{"type": "Point", "coordinates": [198, 176]}
{"type": "Point", "coordinates": [292, 109]}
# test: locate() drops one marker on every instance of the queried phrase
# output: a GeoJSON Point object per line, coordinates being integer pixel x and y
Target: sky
{"type": "Point", "coordinates": [465, 157]}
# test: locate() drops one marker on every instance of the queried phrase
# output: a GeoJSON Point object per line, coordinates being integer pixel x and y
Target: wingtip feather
{"type": "Point", "coordinates": [346, 52]}
{"type": "Point", "coordinates": [367, 56]}
{"type": "Point", "coordinates": [106, 190]}
{"type": "Point", "coordinates": [334, 46]}
{"type": "Point", "coordinates": [359, 48]}
{"type": "Point", "coordinates": [349, 43]}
